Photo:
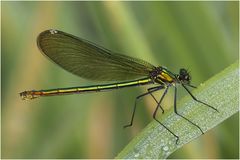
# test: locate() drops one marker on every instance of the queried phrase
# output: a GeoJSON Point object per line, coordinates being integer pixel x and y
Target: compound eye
{"type": "Point", "coordinates": [182, 71]}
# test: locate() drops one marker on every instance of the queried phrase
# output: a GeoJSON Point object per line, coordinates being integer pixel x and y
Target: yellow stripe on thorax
{"type": "Point", "coordinates": [165, 77]}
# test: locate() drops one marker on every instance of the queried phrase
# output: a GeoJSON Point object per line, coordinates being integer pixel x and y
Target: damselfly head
{"type": "Point", "coordinates": [184, 76]}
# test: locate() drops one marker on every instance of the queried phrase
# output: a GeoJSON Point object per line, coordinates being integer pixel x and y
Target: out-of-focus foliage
{"type": "Point", "coordinates": [201, 36]}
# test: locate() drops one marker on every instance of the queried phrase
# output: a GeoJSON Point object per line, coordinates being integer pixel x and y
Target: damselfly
{"type": "Point", "coordinates": [93, 62]}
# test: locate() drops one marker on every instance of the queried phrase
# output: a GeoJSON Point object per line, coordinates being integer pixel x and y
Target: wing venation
{"type": "Point", "coordinates": [88, 60]}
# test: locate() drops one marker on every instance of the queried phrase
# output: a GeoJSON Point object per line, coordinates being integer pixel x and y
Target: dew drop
{"type": "Point", "coordinates": [165, 148]}
{"type": "Point", "coordinates": [136, 155]}
{"type": "Point", "coordinates": [170, 142]}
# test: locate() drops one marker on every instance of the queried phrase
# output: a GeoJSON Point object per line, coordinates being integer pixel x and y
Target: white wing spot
{"type": "Point", "coordinates": [53, 31]}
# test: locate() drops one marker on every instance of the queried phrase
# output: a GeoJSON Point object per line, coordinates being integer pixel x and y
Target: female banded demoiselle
{"type": "Point", "coordinates": [93, 62]}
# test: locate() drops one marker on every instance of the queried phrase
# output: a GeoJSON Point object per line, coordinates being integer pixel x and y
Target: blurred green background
{"type": "Point", "coordinates": [201, 36]}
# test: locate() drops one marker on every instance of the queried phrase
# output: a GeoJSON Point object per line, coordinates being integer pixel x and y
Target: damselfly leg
{"type": "Point", "coordinates": [149, 92]}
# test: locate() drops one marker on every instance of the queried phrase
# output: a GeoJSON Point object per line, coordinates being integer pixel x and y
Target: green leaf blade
{"type": "Point", "coordinates": [221, 91]}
